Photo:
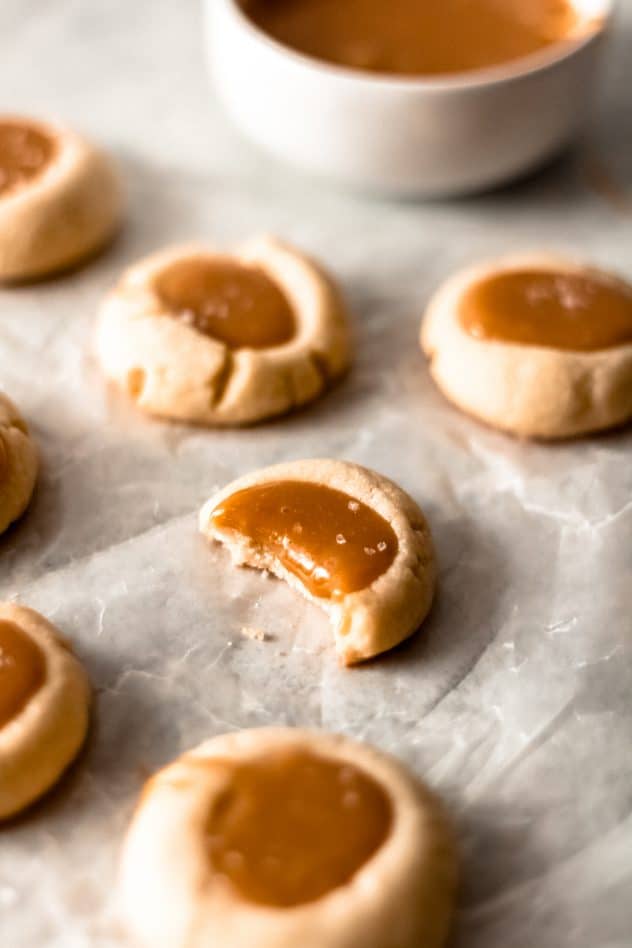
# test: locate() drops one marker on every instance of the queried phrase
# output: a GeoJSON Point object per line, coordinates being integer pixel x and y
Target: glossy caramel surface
{"type": "Point", "coordinates": [292, 825]}
{"type": "Point", "coordinates": [572, 311]}
{"type": "Point", "coordinates": [415, 37]}
{"type": "Point", "coordinates": [332, 542]}
{"type": "Point", "coordinates": [25, 151]}
{"type": "Point", "coordinates": [22, 670]}
{"type": "Point", "coordinates": [236, 304]}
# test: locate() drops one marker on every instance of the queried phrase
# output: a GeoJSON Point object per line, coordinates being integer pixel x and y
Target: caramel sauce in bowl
{"type": "Point", "coordinates": [420, 38]}
{"type": "Point", "coordinates": [374, 118]}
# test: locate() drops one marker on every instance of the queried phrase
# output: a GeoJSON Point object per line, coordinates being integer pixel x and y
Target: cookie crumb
{"type": "Point", "coordinates": [251, 632]}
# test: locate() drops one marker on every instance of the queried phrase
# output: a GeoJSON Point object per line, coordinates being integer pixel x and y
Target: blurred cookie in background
{"type": "Point", "coordinates": [60, 198]}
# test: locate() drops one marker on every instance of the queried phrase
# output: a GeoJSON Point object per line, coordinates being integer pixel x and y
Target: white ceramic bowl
{"type": "Point", "coordinates": [404, 136]}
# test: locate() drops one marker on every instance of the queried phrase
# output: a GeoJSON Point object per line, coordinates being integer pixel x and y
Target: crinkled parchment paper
{"type": "Point", "coordinates": [514, 700]}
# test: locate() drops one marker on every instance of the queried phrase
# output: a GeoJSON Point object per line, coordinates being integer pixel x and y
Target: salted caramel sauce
{"type": "Point", "coordinates": [292, 825]}
{"type": "Point", "coordinates": [574, 311]}
{"type": "Point", "coordinates": [237, 304]}
{"type": "Point", "coordinates": [22, 670]}
{"type": "Point", "coordinates": [416, 37]}
{"type": "Point", "coordinates": [332, 542]}
{"type": "Point", "coordinates": [25, 152]}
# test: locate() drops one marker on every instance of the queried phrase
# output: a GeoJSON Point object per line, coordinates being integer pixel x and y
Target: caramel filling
{"type": "Point", "coordinates": [416, 37]}
{"type": "Point", "coordinates": [25, 151]}
{"type": "Point", "coordinates": [236, 304]}
{"type": "Point", "coordinates": [571, 311]}
{"type": "Point", "coordinates": [333, 543]}
{"type": "Point", "coordinates": [292, 826]}
{"type": "Point", "coordinates": [22, 670]}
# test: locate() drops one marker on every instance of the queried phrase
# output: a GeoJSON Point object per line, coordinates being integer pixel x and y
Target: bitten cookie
{"type": "Point", "coordinates": [282, 838]}
{"type": "Point", "coordinates": [536, 345]}
{"type": "Point", "coordinates": [345, 537]}
{"type": "Point", "coordinates": [44, 707]}
{"type": "Point", "coordinates": [18, 464]}
{"type": "Point", "coordinates": [60, 198]}
{"type": "Point", "coordinates": [224, 338]}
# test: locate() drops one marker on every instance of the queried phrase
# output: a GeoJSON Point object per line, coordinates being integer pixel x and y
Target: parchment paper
{"type": "Point", "coordinates": [513, 701]}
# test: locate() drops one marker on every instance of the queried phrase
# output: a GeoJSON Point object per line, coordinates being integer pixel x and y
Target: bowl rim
{"type": "Point", "coordinates": [515, 69]}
